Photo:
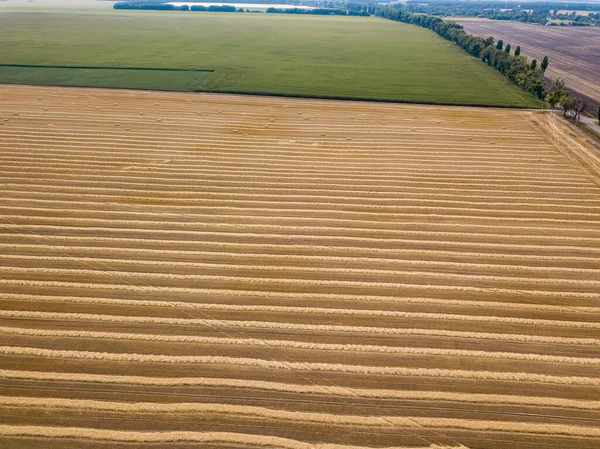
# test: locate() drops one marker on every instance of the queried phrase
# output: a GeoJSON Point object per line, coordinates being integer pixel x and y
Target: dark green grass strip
{"type": "Point", "coordinates": [108, 77]}
{"type": "Point", "coordinates": [103, 68]}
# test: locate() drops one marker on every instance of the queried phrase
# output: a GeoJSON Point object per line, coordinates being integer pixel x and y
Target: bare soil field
{"type": "Point", "coordinates": [218, 271]}
{"type": "Point", "coordinates": [573, 51]}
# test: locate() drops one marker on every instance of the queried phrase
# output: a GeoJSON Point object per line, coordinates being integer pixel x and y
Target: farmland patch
{"type": "Point", "coordinates": [269, 54]}
{"type": "Point", "coordinates": [231, 270]}
{"type": "Point", "coordinates": [133, 78]}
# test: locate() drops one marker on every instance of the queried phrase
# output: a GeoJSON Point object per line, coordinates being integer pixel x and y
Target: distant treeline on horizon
{"type": "Point", "coordinates": [545, 13]}
{"type": "Point", "coordinates": [149, 3]}
{"type": "Point", "coordinates": [349, 9]}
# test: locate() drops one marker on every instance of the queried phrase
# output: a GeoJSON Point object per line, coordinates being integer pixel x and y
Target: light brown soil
{"type": "Point", "coordinates": [195, 270]}
{"type": "Point", "coordinates": [573, 51]}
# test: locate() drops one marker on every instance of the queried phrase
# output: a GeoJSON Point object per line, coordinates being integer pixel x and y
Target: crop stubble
{"type": "Point", "coordinates": [271, 272]}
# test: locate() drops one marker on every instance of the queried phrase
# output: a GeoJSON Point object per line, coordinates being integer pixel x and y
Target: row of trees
{"type": "Point", "coordinates": [558, 95]}
{"type": "Point", "coordinates": [476, 9]}
{"type": "Point", "coordinates": [368, 8]}
{"type": "Point", "coordinates": [352, 9]}
{"type": "Point", "coordinates": [161, 6]}
{"type": "Point", "coordinates": [316, 11]}
{"type": "Point", "coordinates": [214, 8]}
{"type": "Point", "coordinates": [155, 5]}
{"type": "Point", "coordinates": [527, 75]}
{"type": "Point", "coordinates": [574, 19]}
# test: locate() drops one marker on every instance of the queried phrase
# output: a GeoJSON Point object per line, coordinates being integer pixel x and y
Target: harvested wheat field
{"type": "Point", "coordinates": [196, 270]}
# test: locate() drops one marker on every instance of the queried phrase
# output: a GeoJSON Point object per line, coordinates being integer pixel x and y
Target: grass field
{"type": "Point", "coordinates": [117, 78]}
{"type": "Point", "coordinates": [195, 270]}
{"type": "Point", "coordinates": [363, 58]}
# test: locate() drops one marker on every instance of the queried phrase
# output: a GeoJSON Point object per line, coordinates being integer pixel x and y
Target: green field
{"type": "Point", "coordinates": [105, 77]}
{"type": "Point", "coordinates": [335, 57]}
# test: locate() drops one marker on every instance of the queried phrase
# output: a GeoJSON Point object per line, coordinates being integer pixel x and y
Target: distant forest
{"type": "Point", "coordinates": [546, 13]}
{"type": "Point", "coordinates": [319, 8]}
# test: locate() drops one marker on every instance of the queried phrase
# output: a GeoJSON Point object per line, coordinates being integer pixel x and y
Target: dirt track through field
{"type": "Point", "coordinates": [180, 270]}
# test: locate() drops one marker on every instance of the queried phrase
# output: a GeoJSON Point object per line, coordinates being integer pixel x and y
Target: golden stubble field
{"type": "Point", "coordinates": [196, 270]}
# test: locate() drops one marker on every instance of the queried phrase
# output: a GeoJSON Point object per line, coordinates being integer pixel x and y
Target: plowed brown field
{"type": "Point", "coordinates": [196, 270]}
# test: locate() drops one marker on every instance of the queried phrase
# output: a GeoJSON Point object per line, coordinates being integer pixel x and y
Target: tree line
{"type": "Point", "coordinates": [317, 11]}
{"type": "Point", "coordinates": [160, 5]}
{"type": "Point", "coordinates": [527, 75]}
{"type": "Point", "coordinates": [574, 19]}
{"type": "Point", "coordinates": [156, 5]}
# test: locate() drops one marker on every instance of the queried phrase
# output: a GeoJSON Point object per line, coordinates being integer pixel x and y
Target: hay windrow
{"type": "Point", "coordinates": [304, 389]}
{"type": "Point", "coordinates": [295, 366]}
{"type": "Point", "coordinates": [297, 345]}
{"type": "Point", "coordinates": [517, 306]}
{"type": "Point", "coordinates": [168, 437]}
{"type": "Point", "coordinates": [321, 418]}
{"type": "Point", "coordinates": [308, 310]}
